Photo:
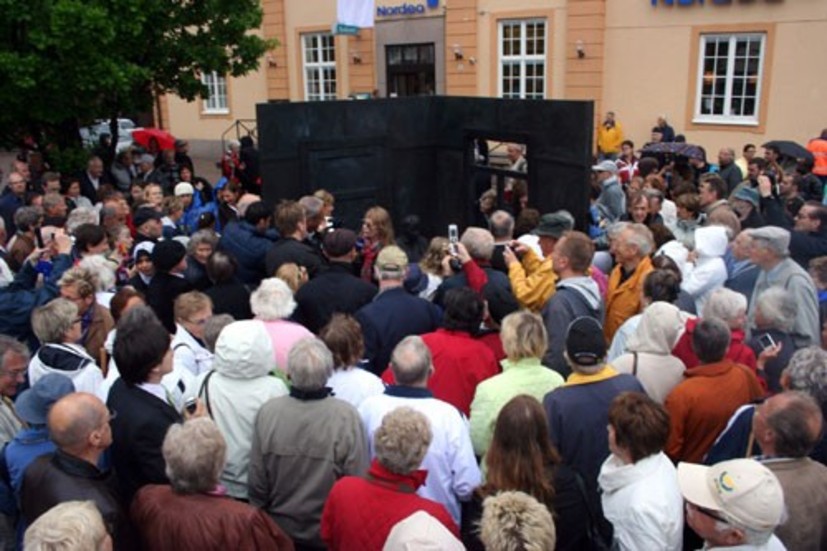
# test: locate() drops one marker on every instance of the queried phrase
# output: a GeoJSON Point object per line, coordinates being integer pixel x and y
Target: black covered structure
{"type": "Point", "coordinates": [415, 155]}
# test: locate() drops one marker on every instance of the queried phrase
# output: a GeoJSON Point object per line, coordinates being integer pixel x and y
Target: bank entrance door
{"type": "Point", "coordinates": [410, 70]}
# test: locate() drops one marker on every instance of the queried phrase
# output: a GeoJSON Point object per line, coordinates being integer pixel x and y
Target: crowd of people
{"type": "Point", "coordinates": [183, 366]}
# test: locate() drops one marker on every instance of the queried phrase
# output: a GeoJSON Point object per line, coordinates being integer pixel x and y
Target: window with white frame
{"type": "Point", "coordinates": [522, 56]}
{"type": "Point", "coordinates": [216, 100]}
{"type": "Point", "coordinates": [730, 68]}
{"type": "Point", "coordinates": [319, 58]}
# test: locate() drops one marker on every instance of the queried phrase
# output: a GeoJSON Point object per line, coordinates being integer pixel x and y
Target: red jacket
{"type": "Point", "coordinates": [738, 352]}
{"type": "Point", "coordinates": [361, 512]}
{"type": "Point", "coordinates": [460, 364]}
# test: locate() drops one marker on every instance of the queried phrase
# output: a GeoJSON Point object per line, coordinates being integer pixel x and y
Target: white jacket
{"type": "Point", "coordinates": [188, 353]}
{"type": "Point", "coordinates": [453, 472]}
{"type": "Point", "coordinates": [643, 503]}
{"type": "Point", "coordinates": [709, 270]}
{"type": "Point", "coordinates": [239, 384]}
{"type": "Point", "coordinates": [70, 360]}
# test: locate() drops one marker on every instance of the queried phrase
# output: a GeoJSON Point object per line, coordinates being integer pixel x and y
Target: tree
{"type": "Point", "coordinates": [64, 63]}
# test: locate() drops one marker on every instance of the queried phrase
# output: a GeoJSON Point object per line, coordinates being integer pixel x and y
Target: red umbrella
{"type": "Point", "coordinates": [144, 136]}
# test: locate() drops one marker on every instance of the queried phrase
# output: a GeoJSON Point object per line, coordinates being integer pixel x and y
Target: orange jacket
{"type": "Point", "coordinates": [623, 299]}
{"type": "Point", "coordinates": [818, 147]}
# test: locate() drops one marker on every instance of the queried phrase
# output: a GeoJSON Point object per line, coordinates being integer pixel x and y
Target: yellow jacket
{"type": "Point", "coordinates": [532, 281]}
{"type": "Point", "coordinates": [623, 299]}
{"type": "Point", "coordinates": [609, 139]}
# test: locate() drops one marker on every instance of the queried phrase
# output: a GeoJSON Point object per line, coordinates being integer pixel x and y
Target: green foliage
{"type": "Point", "coordinates": [68, 160]}
{"type": "Point", "coordinates": [64, 63]}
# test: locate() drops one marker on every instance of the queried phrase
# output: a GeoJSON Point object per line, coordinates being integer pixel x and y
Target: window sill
{"type": "Point", "coordinates": [725, 122]}
{"type": "Point", "coordinates": [218, 112]}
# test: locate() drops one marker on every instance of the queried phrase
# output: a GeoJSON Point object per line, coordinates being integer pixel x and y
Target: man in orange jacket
{"type": "Point", "coordinates": [631, 250]}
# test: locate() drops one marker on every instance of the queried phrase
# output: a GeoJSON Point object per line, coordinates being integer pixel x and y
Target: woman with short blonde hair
{"type": "Point", "coordinates": [68, 526]}
{"type": "Point", "coordinates": [525, 341]}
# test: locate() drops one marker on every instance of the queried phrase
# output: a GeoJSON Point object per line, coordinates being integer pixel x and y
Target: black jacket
{"type": "Point", "coordinates": [59, 477]}
{"type": "Point", "coordinates": [335, 289]}
{"type": "Point", "coordinates": [804, 246]}
{"type": "Point", "coordinates": [231, 298]}
{"type": "Point", "coordinates": [161, 294]}
{"type": "Point", "coordinates": [249, 246]}
{"type": "Point", "coordinates": [288, 250]}
{"type": "Point", "coordinates": [138, 431]}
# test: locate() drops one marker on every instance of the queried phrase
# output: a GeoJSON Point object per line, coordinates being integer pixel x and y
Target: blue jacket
{"type": "Point", "coordinates": [249, 246]}
{"type": "Point", "coordinates": [189, 222]}
{"type": "Point", "coordinates": [28, 445]}
{"type": "Point", "coordinates": [19, 299]}
{"type": "Point", "coordinates": [390, 317]}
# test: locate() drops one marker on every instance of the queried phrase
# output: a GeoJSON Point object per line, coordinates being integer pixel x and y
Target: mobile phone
{"type": "Point", "coordinates": [190, 405]}
{"type": "Point", "coordinates": [453, 238]}
{"type": "Point", "coordinates": [39, 237]}
{"type": "Point", "coordinates": [766, 341]}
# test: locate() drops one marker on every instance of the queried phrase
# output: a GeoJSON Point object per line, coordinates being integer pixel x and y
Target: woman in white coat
{"type": "Point", "coordinates": [238, 385]}
{"type": "Point", "coordinates": [640, 495]}
{"type": "Point", "coordinates": [705, 269]}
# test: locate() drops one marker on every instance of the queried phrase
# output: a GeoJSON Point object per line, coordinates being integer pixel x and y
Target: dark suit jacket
{"type": "Point", "coordinates": [335, 289]}
{"type": "Point", "coordinates": [87, 188]}
{"type": "Point", "coordinates": [138, 431]}
{"type": "Point", "coordinates": [287, 250]}
{"type": "Point", "coordinates": [161, 294]}
{"type": "Point", "coordinates": [390, 317]}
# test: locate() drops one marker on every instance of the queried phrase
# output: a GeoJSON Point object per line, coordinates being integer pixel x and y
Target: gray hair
{"type": "Point", "coordinates": [711, 339]}
{"type": "Point", "coordinates": [194, 452]}
{"type": "Point", "coordinates": [213, 327]}
{"type": "Point", "coordinates": [752, 537]}
{"type": "Point", "coordinates": [11, 345]}
{"type": "Point", "coordinates": [402, 440]}
{"type": "Point", "coordinates": [501, 224]}
{"type": "Point", "coordinates": [807, 372]}
{"type": "Point", "coordinates": [200, 237]}
{"type": "Point", "coordinates": [67, 526]}
{"type": "Point", "coordinates": [641, 237]}
{"type": "Point", "coordinates": [778, 308]}
{"type": "Point", "coordinates": [80, 216]}
{"type": "Point", "coordinates": [51, 200]}
{"type": "Point", "coordinates": [53, 320]}
{"type": "Point", "coordinates": [273, 300]}
{"type": "Point", "coordinates": [614, 230]}
{"type": "Point", "coordinates": [26, 218]}
{"type": "Point", "coordinates": [411, 361]}
{"type": "Point", "coordinates": [479, 242]}
{"type": "Point", "coordinates": [312, 205]}
{"type": "Point", "coordinates": [725, 304]}
{"type": "Point", "coordinates": [309, 364]}
{"type": "Point", "coordinates": [103, 268]}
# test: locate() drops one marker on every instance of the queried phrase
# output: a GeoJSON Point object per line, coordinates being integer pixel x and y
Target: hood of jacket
{"type": "Point", "coordinates": [614, 474]}
{"type": "Point", "coordinates": [244, 351]}
{"type": "Point", "coordinates": [658, 331]}
{"type": "Point", "coordinates": [587, 287]}
{"type": "Point", "coordinates": [61, 357]}
{"type": "Point", "coordinates": [711, 241]}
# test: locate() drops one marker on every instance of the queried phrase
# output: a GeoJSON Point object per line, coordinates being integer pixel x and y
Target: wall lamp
{"type": "Point", "coordinates": [580, 48]}
{"type": "Point", "coordinates": [356, 57]}
{"type": "Point", "coordinates": [457, 52]}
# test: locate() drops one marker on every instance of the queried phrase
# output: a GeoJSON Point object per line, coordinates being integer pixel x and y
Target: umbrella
{"type": "Point", "coordinates": [675, 148]}
{"type": "Point", "coordinates": [790, 149]}
{"type": "Point", "coordinates": [143, 136]}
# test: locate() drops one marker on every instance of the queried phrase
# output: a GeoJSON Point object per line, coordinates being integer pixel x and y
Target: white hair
{"type": "Point", "coordinates": [103, 268]}
{"type": "Point", "coordinates": [725, 304]}
{"type": "Point", "coordinates": [479, 242]}
{"type": "Point", "coordinates": [777, 307]}
{"type": "Point", "coordinates": [80, 216]}
{"type": "Point", "coordinates": [309, 364]}
{"type": "Point", "coordinates": [273, 300]}
{"type": "Point", "coordinates": [641, 237]}
{"type": "Point", "coordinates": [67, 526]}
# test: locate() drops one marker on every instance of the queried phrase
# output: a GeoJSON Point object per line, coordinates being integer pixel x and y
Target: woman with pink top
{"type": "Point", "coordinates": [273, 303]}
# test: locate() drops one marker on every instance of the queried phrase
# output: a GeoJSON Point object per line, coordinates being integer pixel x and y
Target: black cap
{"type": "Point", "coordinates": [585, 344]}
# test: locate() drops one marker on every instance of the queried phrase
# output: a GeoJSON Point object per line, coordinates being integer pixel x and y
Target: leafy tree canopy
{"type": "Point", "coordinates": [64, 63]}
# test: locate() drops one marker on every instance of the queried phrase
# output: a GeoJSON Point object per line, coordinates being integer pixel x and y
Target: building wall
{"type": "Point", "coordinates": [639, 60]}
{"type": "Point", "coordinates": [651, 67]}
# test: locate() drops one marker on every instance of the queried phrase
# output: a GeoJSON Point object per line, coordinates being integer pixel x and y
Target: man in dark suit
{"type": "Point", "coordinates": [93, 178]}
{"type": "Point", "coordinates": [169, 259]}
{"type": "Point", "coordinates": [291, 223]}
{"type": "Point", "coordinates": [336, 289]}
{"type": "Point", "coordinates": [142, 405]}
{"type": "Point", "coordinates": [394, 313]}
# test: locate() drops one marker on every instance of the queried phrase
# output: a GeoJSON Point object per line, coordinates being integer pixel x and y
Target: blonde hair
{"type": "Point", "coordinates": [293, 275]}
{"type": "Point", "coordinates": [515, 521]}
{"type": "Point", "coordinates": [524, 336]}
{"type": "Point", "coordinates": [431, 262]}
{"type": "Point", "coordinates": [326, 197]}
{"type": "Point", "coordinates": [383, 225]}
{"type": "Point", "coordinates": [53, 320]}
{"type": "Point", "coordinates": [82, 278]}
{"type": "Point", "coordinates": [402, 440]}
{"type": "Point", "coordinates": [190, 303]}
{"type": "Point", "coordinates": [194, 452]}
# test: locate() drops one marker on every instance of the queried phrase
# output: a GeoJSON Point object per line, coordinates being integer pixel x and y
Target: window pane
{"type": "Point", "coordinates": [522, 65]}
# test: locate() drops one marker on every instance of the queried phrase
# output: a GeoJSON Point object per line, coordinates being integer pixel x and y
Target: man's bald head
{"type": "Point", "coordinates": [794, 422]}
{"type": "Point", "coordinates": [73, 418]}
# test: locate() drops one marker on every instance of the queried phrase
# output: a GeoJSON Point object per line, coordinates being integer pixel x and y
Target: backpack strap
{"type": "Point", "coordinates": [634, 364]}
{"type": "Point", "coordinates": [205, 391]}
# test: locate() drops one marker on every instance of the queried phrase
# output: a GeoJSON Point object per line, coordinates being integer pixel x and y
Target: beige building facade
{"type": "Point", "coordinates": [724, 72]}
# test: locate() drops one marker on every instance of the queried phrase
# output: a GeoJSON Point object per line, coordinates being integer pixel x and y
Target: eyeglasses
{"type": "Point", "coordinates": [14, 373]}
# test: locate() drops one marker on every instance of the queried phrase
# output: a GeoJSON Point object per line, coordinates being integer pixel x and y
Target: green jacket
{"type": "Point", "coordinates": [526, 376]}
